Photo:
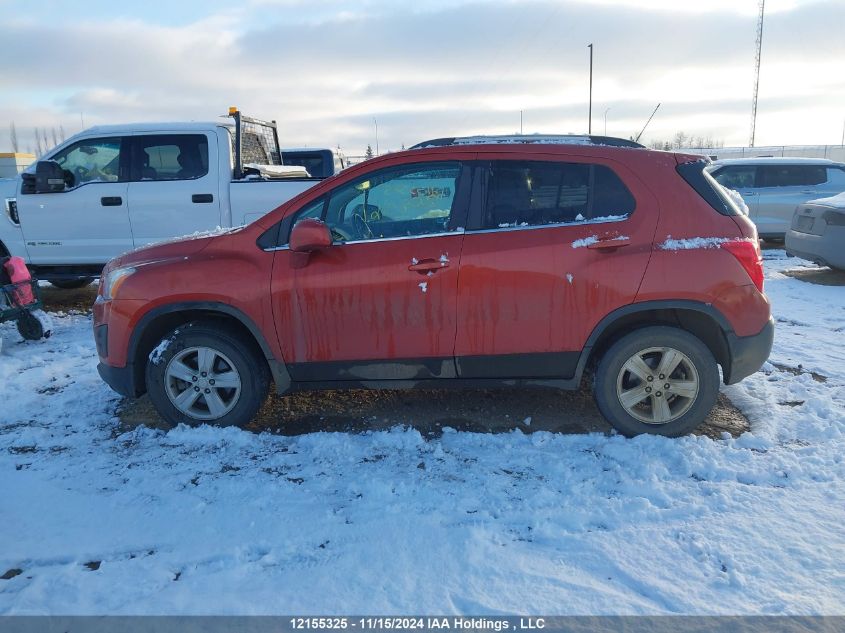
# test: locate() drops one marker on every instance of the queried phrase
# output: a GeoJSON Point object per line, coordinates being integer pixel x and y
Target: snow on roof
{"type": "Point", "coordinates": [165, 126]}
{"type": "Point", "coordinates": [527, 139]}
{"type": "Point", "coordinates": [837, 201]}
{"type": "Point", "coordinates": [775, 160]}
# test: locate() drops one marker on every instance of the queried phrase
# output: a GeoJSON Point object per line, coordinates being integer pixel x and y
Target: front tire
{"type": "Point", "coordinates": [71, 284]}
{"type": "Point", "coordinates": [202, 373]}
{"type": "Point", "coordinates": [658, 380]}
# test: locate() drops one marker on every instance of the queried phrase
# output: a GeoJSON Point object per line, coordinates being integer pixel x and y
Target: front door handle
{"type": "Point", "coordinates": [609, 243]}
{"type": "Point", "coordinates": [202, 198]}
{"type": "Point", "coordinates": [111, 201]}
{"type": "Point", "coordinates": [425, 266]}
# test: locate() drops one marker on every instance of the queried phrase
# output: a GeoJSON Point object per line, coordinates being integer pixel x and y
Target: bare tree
{"type": "Point", "coordinates": [38, 149]}
{"type": "Point", "coordinates": [62, 132]}
{"type": "Point", "coordinates": [54, 135]}
{"type": "Point", "coordinates": [13, 137]}
{"type": "Point", "coordinates": [681, 140]}
{"type": "Point", "coordinates": [46, 142]}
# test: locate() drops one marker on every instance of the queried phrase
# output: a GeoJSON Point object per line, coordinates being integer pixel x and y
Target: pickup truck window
{"type": "Point", "coordinates": [169, 157]}
{"type": "Point", "coordinates": [91, 160]}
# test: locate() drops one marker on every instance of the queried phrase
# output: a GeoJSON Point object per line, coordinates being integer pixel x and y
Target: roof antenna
{"type": "Point", "coordinates": [637, 140]}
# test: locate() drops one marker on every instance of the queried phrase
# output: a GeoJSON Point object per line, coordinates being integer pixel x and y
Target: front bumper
{"type": "Point", "coordinates": [748, 353]}
{"type": "Point", "coordinates": [121, 379]}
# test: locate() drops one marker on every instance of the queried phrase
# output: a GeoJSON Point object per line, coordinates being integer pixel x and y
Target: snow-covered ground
{"type": "Point", "coordinates": [225, 521]}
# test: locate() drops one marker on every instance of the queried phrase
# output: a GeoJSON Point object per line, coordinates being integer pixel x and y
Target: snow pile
{"type": "Point", "coordinates": [585, 241]}
{"type": "Point", "coordinates": [101, 519]}
{"type": "Point", "coordinates": [593, 239]}
{"type": "Point", "coordinates": [691, 243]}
{"type": "Point", "coordinates": [837, 201]}
{"type": "Point", "coordinates": [737, 200]}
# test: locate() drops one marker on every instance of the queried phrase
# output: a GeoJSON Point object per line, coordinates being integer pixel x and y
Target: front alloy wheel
{"type": "Point", "coordinates": [207, 372]}
{"type": "Point", "coordinates": [203, 383]}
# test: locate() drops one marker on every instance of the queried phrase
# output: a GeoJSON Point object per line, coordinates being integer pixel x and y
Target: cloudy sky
{"type": "Point", "coordinates": [326, 69]}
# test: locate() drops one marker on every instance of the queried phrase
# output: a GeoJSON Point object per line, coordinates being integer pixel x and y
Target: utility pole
{"type": "Point", "coordinates": [759, 48]}
{"type": "Point", "coordinates": [590, 111]}
{"type": "Point", "coordinates": [605, 121]}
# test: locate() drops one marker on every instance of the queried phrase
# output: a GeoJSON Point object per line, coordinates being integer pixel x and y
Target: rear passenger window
{"type": "Point", "coordinates": [791, 175]}
{"type": "Point", "coordinates": [523, 193]}
{"type": "Point", "coordinates": [169, 157]}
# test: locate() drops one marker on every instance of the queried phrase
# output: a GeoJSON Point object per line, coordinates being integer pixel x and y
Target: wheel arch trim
{"type": "Point", "coordinates": [277, 367]}
{"type": "Point", "coordinates": [647, 306]}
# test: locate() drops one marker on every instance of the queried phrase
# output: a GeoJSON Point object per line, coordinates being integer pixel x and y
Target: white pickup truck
{"type": "Point", "coordinates": [113, 188]}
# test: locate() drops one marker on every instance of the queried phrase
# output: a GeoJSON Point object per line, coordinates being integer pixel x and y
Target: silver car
{"type": "Point", "coordinates": [818, 232]}
{"type": "Point", "coordinates": [773, 187]}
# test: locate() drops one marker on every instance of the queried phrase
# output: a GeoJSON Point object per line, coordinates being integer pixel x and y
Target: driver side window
{"type": "Point", "coordinates": [91, 160]}
{"type": "Point", "coordinates": [405, 201]}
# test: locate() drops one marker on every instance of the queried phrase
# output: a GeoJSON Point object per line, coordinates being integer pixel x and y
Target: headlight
{"type": "Point", "coordinates": [114, 280]}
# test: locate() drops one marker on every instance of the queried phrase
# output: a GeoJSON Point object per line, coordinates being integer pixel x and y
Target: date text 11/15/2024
{"type": "Point", "coordinates": [417, 623]}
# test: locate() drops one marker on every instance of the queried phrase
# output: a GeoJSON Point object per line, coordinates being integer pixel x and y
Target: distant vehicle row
{"type": "Point", "coordinates": [773, 187]}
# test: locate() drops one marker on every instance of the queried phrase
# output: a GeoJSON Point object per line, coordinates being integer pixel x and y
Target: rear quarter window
{"type": "Point", "coordinates": [537, 193]}
{"type": "Point", "coordinates": [708, 187]}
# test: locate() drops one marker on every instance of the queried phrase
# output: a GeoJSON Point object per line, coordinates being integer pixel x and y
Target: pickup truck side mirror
{"type": "Point", "coordinates": [310, 235]}
{"type": "Point", "coordinates": [49, 177]}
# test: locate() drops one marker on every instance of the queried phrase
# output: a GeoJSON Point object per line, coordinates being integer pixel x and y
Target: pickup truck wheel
{"type": "Point", "coordinates": [658, 380]}
{"type": "Point", "coordinates": [200, 373]}
{"type": "Point", "coordinates": [71, 284]}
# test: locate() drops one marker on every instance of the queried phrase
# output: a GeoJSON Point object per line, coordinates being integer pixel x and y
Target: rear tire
{"type": "Point", "coordinates": [658, 380]}
{"type": "Point", "coordinates": [202, 373]}
{"type": "Point", "coordinates": [71, 284]}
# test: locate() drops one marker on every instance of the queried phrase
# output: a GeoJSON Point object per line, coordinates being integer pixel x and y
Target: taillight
{"type": "Point", "coordinates": [748, 254]}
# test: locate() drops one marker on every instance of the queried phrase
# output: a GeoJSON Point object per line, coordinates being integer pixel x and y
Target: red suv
{"type": "Point", "coordinates": [476, 262]}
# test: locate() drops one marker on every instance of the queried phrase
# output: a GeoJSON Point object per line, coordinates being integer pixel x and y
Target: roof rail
{"type": "Point", "coordinates": [528, 139]}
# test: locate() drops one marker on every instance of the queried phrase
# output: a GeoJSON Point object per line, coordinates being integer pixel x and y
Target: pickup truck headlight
{"type": "Point", "coordinates": [113, 280]}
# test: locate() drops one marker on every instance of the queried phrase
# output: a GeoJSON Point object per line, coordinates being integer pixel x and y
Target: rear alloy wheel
{"type": "Point", "coordinates": [659, 380]}
{"type": "Point", "coordinates": [202, 373]}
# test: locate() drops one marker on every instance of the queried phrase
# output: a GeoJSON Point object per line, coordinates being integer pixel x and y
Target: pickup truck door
{"type": "Point", "coordinates": [173, 188]}
{"type": "Point", "coordinates": [88, 222]}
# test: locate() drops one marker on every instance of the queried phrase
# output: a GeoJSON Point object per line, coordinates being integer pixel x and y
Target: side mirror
{"type": "Point", "coordinates": [49, 177]}
{"type": "Point", "coordinates": [310, 235]}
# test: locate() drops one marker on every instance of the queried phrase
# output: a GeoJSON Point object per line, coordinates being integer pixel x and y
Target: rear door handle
{"type": "Point", "coordinates": [610, 243]}
{"type": "Point", "coordinates": [428, 265]}
{"type": "Point", "coordinates": [202, 198]}
{"type": "Point", "coordinates": [111, 201]}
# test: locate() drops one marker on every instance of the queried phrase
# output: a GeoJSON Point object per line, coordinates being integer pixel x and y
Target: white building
{"type": "Point", "coordinates": [13, 163]}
